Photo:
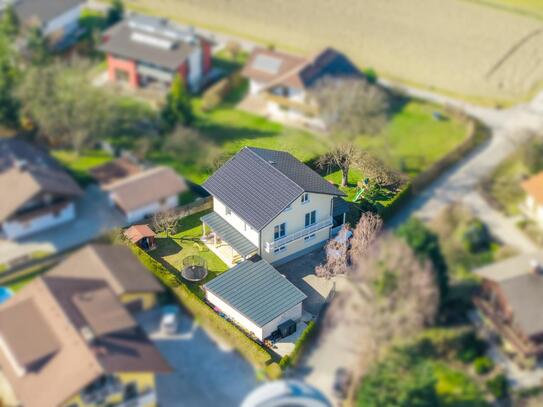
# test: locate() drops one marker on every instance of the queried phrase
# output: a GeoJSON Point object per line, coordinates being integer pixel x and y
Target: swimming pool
{"type": "Point", "coordinates": [5, 294]}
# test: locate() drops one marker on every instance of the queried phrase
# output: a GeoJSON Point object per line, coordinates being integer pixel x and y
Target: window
{"type": "Point", "coordinates": [227, 210]}
{"type": "Point", "coordinates": [305, 198]}
{"type": "Point", "coordinates": [279, 231]}
{"type": "Point", "coordinates": [309, 237]}
{"type": "Point", "coordinates": [279, 249]}
{"type": "Point", "coordinates": [310, 218]}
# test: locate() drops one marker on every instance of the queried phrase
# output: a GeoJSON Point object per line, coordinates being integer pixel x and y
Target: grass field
{"type": "Point", "coordinates": [411, 142]}
{"type": "Point", "coordinates": [463, 48]}
{"type": "Point", "coordinates": [80, 164]}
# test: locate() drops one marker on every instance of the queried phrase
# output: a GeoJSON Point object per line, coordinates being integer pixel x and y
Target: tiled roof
{"type": "Point", "coordinates": [256, 290]}
{"type": "Point", "coordinates": [258, 184]}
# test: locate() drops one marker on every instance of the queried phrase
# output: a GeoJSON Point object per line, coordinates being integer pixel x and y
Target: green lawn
{"type": "Point", "coordinates": [411, 142]}
{"type": "Point", "coordinates": [186, 242]}
{"type": "Point", "coordinates": [80, 164]}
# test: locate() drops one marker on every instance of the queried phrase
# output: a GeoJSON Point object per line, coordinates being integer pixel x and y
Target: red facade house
{"type": "Point", "coordinates": [142, 50]}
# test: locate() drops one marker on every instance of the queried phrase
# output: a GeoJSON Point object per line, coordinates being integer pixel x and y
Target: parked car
{"type": "Point", "coordinates": [169, 323]}
{"type": "Point", "coordinates": [342, 382]}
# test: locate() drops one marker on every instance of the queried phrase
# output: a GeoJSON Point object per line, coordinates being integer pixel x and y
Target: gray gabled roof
{"type": "Point", "coordinates": [256, 290]}
{"type": "Point", "coordinates": [522, 288]}
{"type": "Point", "coordinates": [44, 10]}
{"type": "Point", "coordinates": [258, 184]}
{"type": "Point", "coordinates": [229, 234]}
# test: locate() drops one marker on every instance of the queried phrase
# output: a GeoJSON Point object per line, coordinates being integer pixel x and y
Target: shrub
{"type": "Point", "coordinates": [483, 365]}
{"type": "Point", "coordinates": [292, 359]}
{"type": "Point", "coordinates": [498, 386]}
{"type": "Point", "coordinates": [532, 156]}
{"type": "Point", "coordinates": [471, 347]}
{"type": "Point", "coordinates": [476, 238]}
{"type": "Point", "coordinates": [371, 75]}
{"type": "Point", "coordinates": [217, 93]}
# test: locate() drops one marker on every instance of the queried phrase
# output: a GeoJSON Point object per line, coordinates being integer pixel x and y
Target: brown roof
{"type": "Point", "coordinates": [300, 73]}
{"type": "Point", "coordinates": [137, 232]}
{"type": "Point", "coordinates": [21, 322]}
{"type": "Point", "coordinates": [116, 264]}
{"type": "Point", "coordinates": [114, 171]}
{"type": "Point", "coordinates": [534, 187]}
{"type": "Point", "coordinates": [25, 184]}
{"type": "Point", "coordinates": [265, 65]}
{"type": "Point", "coordinates": [73, 359]}
{"type": "Point", "coordinates": [103, 311]}
{"type": "Point", "coordinates": [40, 387]}
{"type": "Point", "coordinates": [146, 188]}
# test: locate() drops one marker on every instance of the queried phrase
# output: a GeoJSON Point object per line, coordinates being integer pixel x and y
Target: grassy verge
{"type": "Point", "coordinates": [80, 164]}
{"type": "Point", "coordinates": [210, 320]}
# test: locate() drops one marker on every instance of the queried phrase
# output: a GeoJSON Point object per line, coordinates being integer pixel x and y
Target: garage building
{"type": "Point", "coordinates": [256, 296]}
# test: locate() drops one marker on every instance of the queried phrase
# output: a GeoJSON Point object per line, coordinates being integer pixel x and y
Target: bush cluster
{"type": "Point", "coordinates": [217, 93]}
{"type": "Point", "coordinates": [483, 365]}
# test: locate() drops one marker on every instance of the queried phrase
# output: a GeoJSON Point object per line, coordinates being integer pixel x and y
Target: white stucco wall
{"type": "Point", "coordinates": [15, 230]}
{"type": "Point", "coordinates": [149, 210]}
{"type": "Point", "coordinates": [255, 87]}
{"type": "Point", "coordinates": [67, 22]}
{"type": "Point", "coordinates": [263, 332]}
{"type": "Point", "coordinates": [295, 220]}
{"type": "Point", "coordinates": [237, 222]}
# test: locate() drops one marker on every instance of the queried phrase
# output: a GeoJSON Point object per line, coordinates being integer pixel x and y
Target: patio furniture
{"type": "Point", "coordinates": [194, 268]}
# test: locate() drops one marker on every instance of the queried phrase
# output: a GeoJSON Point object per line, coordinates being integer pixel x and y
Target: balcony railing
{"type": "Point", "coordinates": [299, 234]}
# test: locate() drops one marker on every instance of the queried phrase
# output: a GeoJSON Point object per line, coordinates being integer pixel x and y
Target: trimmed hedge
{"type": "Point", "coordinates": [391, 207]}
{"type": "Point", "coordinates": [208, 318]}
{"type": "Point", "coordinates": [218, 92]}
{"type": "Point", "coordinates": [293, 358]}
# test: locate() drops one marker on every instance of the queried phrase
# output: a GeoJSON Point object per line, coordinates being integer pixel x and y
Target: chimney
{"type": "Point", "coordinates": [536, 267]}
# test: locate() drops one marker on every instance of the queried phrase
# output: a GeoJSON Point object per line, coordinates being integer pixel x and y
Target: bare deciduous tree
{"type": "Point", "coordinates": [341, 156]}
{"type": "Point", "coordinates": [351, 106]}
{"type": "Point", "coordinates": [339, 258]}
{"type": "Point", "coordinates": [377, 170]}
{"type": "Point", "coordinates": [191, 146]}
{"type": "Point", "coordinates": [165, 221]}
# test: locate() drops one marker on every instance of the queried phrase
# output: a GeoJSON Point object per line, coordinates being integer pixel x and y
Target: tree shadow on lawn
{"type": "Point", "coordinates": [222, 134]}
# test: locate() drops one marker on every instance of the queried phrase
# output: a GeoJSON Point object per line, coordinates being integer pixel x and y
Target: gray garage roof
{"type": "Point", "coordinates": [256, 290]}
{"type": "Point", "coordinates": [258, 184]}
{"type": "Point", "coordinates": [229, 234]}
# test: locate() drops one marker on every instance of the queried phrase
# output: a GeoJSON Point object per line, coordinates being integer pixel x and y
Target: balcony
{"type": "Point", "coordinates": [299, 234]}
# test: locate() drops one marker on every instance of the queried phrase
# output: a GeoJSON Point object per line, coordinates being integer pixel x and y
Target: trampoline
{"type": "Point", "coordinates": [194, 268]}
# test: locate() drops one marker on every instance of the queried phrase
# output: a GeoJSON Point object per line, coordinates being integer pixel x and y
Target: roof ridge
{"type": "Point", "coordinates": [137, 176]}
{"type": "Point", "coordinates": [275, 168]}
{"type": "Point", "coordinates": [92, 247]}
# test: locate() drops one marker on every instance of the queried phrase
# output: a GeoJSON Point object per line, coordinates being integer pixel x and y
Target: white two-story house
{"type": "Point", "coordinates": [268, 203]}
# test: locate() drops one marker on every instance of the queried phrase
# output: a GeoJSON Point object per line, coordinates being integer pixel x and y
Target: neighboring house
{"type": "Point", "coordinates": [114, 171]}
{"type": "Point", "coordinates": [533, 204]}
{"type": "Point", "coordinates": [284, 82]}
{"type": "Point", "coordinates": [145, 193]}
{"type": "Point", "coordinates": [58, 20]}
{"type": "Point", "coordinates": [142, 50]}
{"type": "Point", "coordinates": [256, 296]}
{"type": "Point", "coordinates": [119, 267]}
{"type": "Point", "coordinates": [37, 193]}
{"type": "Point", "coordinates": [511, 299]}
{"type": "Point", "coordinates": [70, 342]}
{"type": "Point", "coordinates": [268, 203]}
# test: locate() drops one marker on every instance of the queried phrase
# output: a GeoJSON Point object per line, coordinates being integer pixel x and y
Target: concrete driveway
{"type": "Point", "coordinates": [204, 374]}
{"type": "Point", "coordinates": [301, 273]}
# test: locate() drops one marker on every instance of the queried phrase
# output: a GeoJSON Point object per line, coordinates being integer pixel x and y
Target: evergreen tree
{"type": "Point", "coordinates": [115, 12]}
{"type": "Point", "coordinates": [9, 22]}
{"type": "Point", "coordinates": [178, 108]}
